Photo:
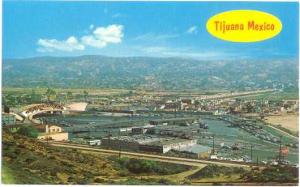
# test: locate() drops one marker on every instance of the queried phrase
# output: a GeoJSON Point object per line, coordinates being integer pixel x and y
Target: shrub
{"type": "Point", "coordinates": [165, 182]}
{"type": "Point", "coordinates": [213, 170]}
{"type": "Point", "coordinates": [273, 174]}
{"type": "Point", "coordinates": [99, 180]}
{"type": "Point", "coordinates": [138, 166]}
{"type": "Point", "coordinates": [28, 131]}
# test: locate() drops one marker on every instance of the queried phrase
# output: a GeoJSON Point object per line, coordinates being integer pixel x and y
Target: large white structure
{"type": "Point", "coordinates": [77, 107]}
{"type": "Point", "coordinates": [147, 143]}
{"type": "Point", "coordinates": [34, 109]}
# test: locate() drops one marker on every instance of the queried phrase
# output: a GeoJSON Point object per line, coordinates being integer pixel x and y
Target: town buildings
{"type": "Point", "coordinates": [51, 132]}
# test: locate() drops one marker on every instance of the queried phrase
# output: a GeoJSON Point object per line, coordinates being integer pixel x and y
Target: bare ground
{"type": "Point", "coordinates": [288, 121]}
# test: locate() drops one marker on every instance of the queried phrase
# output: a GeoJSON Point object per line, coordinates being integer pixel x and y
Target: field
{"type": "Point", "coordinates": [288, 121]}
{"type": "Point", "coordinates": [286, 95]}
{"type": "Point", "coordinates": [94, 91]}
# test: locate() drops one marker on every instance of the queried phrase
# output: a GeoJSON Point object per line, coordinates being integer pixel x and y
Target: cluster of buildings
{"type": "Point", "coordinates": [161, 136]}
{"type": "Point", "coordinates": [155, 144]}
{"type": "Point", "coordinates": [216, 104]}
{"type": "Point", "coordinates": [51, 132]}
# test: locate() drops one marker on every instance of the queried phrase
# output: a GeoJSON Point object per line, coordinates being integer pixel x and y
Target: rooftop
{"type": "Point", "coordinates": [196, 148]}
{"type": "Point", "coordinates": [141, 139]}
{"type": "Point", "coordinates": [177, 127]}
{"type": "Point", "coordinates": [174, 119]}
{"type": "Point", "coordinates": [168, 141]}
{"type": "Point", "coordinates": [149, 139]}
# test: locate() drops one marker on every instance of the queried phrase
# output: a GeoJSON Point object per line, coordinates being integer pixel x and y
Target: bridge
{"type": "Point", "coordinates": [34, 109]}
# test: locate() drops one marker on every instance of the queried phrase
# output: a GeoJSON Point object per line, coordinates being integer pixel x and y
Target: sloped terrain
{"type": "Point", "coordinates": [150, 73]}
{"type": "Point", "coordinates": [27, 161]}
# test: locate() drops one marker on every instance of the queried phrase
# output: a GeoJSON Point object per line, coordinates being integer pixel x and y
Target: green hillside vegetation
{"type": "Point", "coordinates": [27, 161]}
{"type": "Point", "coordinates": [222, 174]}
{"type": "Point", "coordinates": [138, 166]}
{"type": "Point", "coordinates": [28, 131]}
{"type": "Point", "coordinates": [281, 174]}
{"type": "Point", "coordinates": [211, 171]}
{"type": "Point", "coordinates": [149, 73]}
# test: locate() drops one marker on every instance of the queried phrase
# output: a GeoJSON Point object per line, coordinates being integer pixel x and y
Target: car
{"type": "Point", "coordinates": [213, 157]}
{"type": "Point", "coordinates": [264, 162]}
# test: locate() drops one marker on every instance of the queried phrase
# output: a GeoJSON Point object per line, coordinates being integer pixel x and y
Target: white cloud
{"type": "Point", "coordinates": [50, 45]}
{"type": "Point", "coordinates": [102, 36]}
{"type": "Point", "coordinates": [192, 29]}
{"type": "Point", "coordinates": [110, 34]}
{"type": "Point", "coordinates": [90, 40]}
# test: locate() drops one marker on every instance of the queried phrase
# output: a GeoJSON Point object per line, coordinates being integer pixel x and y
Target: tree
{"type": "Point", "coordinates": [51, 94]}
{"type": "Point", "coordinates": [85, 94]}
{"type": "Point", "coordinates": [35, 97]}
{"type": "Point", "coordinates": [69, 95]}
{"type": "Point", "coordinates": [28, 131]}
{"type": "Point", "coordinates": [249, 107]}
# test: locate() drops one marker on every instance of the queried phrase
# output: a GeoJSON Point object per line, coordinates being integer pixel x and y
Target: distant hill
{"type": "Point", "coordinates": [149, 73]}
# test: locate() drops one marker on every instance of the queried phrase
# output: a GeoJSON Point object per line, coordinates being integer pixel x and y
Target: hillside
{"type": "Point", "coordinates": [27, 161]}
{"type": "Point", "coordinates": [149, 73]}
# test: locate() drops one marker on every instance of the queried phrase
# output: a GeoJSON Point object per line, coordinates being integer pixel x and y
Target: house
{"type": "Point", "coordinates": [197, 151]}
{"type": "Point", "coordinates": [52, 132]}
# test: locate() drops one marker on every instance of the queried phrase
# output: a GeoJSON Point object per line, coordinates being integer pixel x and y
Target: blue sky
{"type": "Point", "coordinates": [164, 29]}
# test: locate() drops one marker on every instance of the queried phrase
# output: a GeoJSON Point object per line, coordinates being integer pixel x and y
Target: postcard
{"type": "Point", "coordinates": [150, 93]}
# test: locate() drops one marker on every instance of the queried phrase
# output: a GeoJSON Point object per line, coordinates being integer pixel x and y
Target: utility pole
{"type": "Point", "coordinates": [251, 152]}
{"type": "Point", "coordinates": [213, 144]}
{"type": "Point", "coordinates": [279, 154]}
{"type": "Point", "coordinates": [257, 160]}
{"type": "Point", "coordinates": [48, 133]}
{"type": "Point", "coordinates": [119, 145]}
{"type": "Point", "coordinates": [119, 151]}
{"type": "Point", "coordinates": [177, 107]}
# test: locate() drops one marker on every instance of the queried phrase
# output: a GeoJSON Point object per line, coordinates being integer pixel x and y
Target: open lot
{"type": "Point", "coordinates": [289, 121]}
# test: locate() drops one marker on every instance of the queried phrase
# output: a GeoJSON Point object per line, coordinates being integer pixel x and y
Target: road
{"type": "Point", "coordinates": [283, 132]}
{"type": "Point", "coordinates": [177, 160]}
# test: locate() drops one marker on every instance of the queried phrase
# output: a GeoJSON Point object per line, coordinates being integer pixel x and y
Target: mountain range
{"type": "Point", "coordinates": [149, 73]}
